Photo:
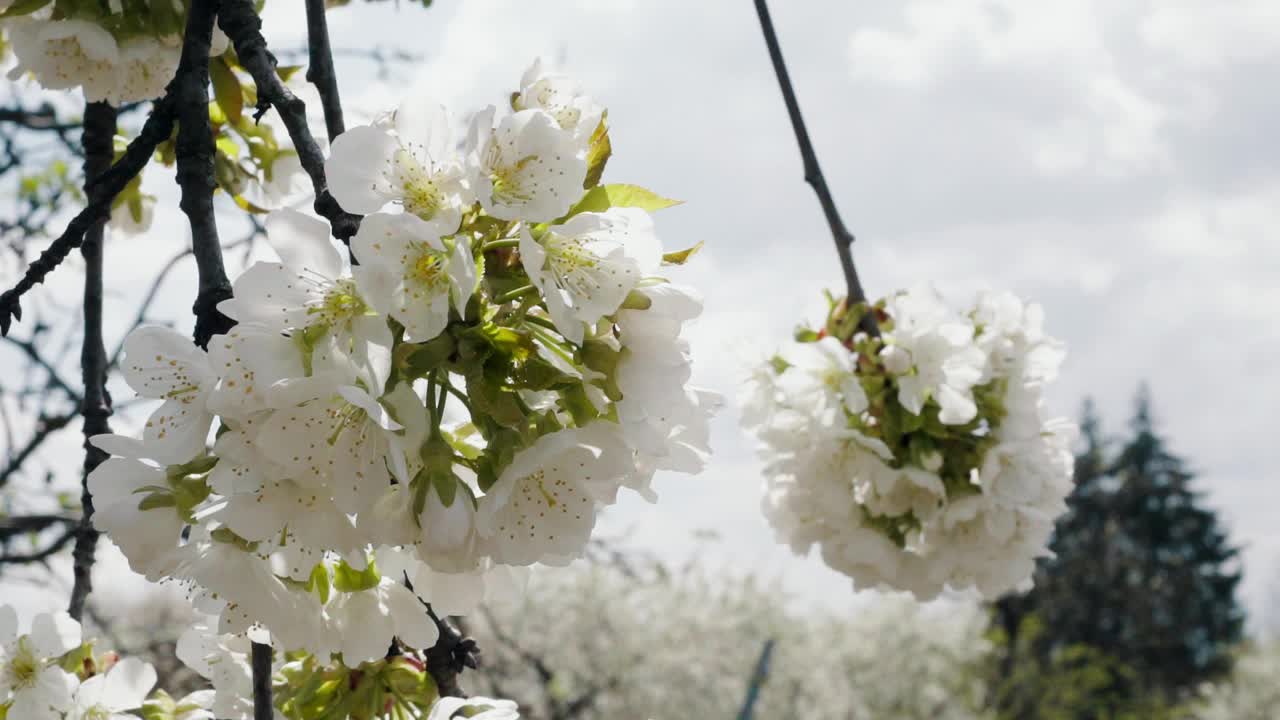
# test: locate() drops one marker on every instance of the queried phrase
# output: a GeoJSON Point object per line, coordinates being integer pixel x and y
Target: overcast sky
{"type": "Point", "coordinates": [1113, 160]}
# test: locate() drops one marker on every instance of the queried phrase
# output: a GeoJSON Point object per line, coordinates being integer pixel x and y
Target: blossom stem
{"type": "Point", "coordinates": [444, 397]}
{"type": "Point", "coordinates": [510, 295]}
{"type": "Point", "coordinates": [98, 138]}
{"type": "Point", "coordinates": [431, 402]}
{"type": "Point", "coordinates": [813, 175]}
{"type": "Point", "coordinates": [540, 321]}
{"type": "Point", "coordinates": [320, 68]}
{"type": "Point", "coordinates": [499, 244]}
{"type": "Point", "coordinates": [462, 397]}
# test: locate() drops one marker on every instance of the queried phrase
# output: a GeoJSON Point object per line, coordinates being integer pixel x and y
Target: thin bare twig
{"type": "Point", "coordinates": [101, 191]}
{"type": "Point", "coordinates": [320, 68]}
{"type": "Point", "coordinates": [46, 427]}
{"type": "Point", "coordinates": [813, 175]}
{"type": "Point", "coordinates": [239, 20]}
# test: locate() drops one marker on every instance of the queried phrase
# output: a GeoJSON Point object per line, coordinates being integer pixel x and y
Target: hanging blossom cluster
{"type": "Point", "coordinates": [416, 427]}
{"type": "Point", "coordinates": [113, 54]}
{"type": "Point", "coordinates": [48, 673]}
{"type": "Point", "coordinates": [920, 459]}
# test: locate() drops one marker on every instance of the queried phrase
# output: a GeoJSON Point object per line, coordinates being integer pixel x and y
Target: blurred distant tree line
{"type": "Point", "coordinates": [1137, 610]}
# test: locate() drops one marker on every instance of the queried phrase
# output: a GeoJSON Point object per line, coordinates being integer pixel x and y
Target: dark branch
{"type": "Point", "coordinates": [14, 526]}
{"type": "Point", "coordinates": [69, 533]}
{"type": "Point", "coordinates": [813, 175]}
{"type": "Point", "coordinates": [451, 654]}
{"type": "Point", "coordinates": [47, 427]}
{"type": "Point", "coordinates": [101, 192]}
{"type": "Point", "coordinates": [239, 20]}
{"type": "Point", "coordinates": [195, 151]}
{"type": "Point", "coordinates": [98, 138]}
{"type": "Point", "coordinates": [320, 68]}
{"type": "Point", "coordinates": [261, 664]}
{"type": "Point", "coordinates": [42, 118]}
{"type": "Point", "coordinates": [28, 347]}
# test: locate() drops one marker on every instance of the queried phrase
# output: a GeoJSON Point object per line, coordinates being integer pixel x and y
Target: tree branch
{"type": "Point", "coordinates": [449, 656]}
{"type": "Point", "coordinates": [101, 191]}
{"type": "Point", "coordinates": [98, 139]}
{"type": "Point", "coordinates": [68, 534]}
{"type": "Point", "coordinates": [47, 427]}
{"type": "Point", "coordinates": [28, 347]}
{"type": "Point", "coordinates": [239, 20]}
{"type": "Point", "coordinates": [260, 661]}
{"type": "Point", "coordinates": [320, 68]}
{"type": "Point", "coordinates": [12, 526]}
{"type": "Point", "coordinates": [813, 175]}
{"type": "Point", "coordinates": [195, 154]}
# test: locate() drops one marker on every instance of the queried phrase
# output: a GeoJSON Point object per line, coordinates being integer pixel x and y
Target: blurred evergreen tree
{"type": "Point", "coordinates": [1143, 581]}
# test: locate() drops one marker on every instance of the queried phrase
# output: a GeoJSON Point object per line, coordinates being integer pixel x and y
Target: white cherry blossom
{"type": "Point", "coordinates": [527, 168]}
{"type": "Point", "coordinates": [586, 267]}
{"type": "Point", "coordinates": [425, 272]}
{"type": "Point", "coordinates": [543, 506]}
{"type": "Point", "coordinates": [366, 621]}
{"type": "Point", "coordinates": [560, 95]}
{"type": "Point", "coordinates": [309, 291]}
{"type": "Point", "coordinates": [108, 696]}
{"type": "Point", "coordinates": [41, 690]}
{"type": "Point", "coordinates": [136, 506]}
{"type": "Point", "coordinates": [146, 67]}
{"type": "Point", "coordinates": [822, 374]}
{"type": "Point", "coordinates": [160, 364]}
{"type": "Point", "coordinates": [942, 363]}
{"type": "Point", "coordinates": [63, 54]}
{"type": "Point", "coordinates": [411, 164]}
{"type": "Point", "coordinates": [477, 708]}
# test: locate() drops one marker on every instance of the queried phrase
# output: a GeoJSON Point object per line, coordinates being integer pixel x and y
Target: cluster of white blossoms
{"type": "Point", "coordinates": [304, 689]}
{"type": "Point", "coordinates": [498, 360]}
{"type": "Point", "coordinates": [114, 55]}
{"type": "Point", "coordinates": [923, 458]}
{"type": "Point", "coordinates": [47, 673]}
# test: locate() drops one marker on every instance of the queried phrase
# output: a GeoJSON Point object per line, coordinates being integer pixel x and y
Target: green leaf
{"type": "Point", "coordinates": [156, 501]}
{"type": "Point", "coordinates": [287, 71]}
{"type": "Point", "coordinates": [579, 405]}
{"type": "Point", "coordinates": [226, 89]}
{"type": "Point", "coordinates": [493, 400]}
{"type": "Point", "coordinates": [23, 7]}
{"type": "Point", "coordinates": [681, 257]}
{"type": "Point", "coordinates": [249, 207]}
{"type": "Point", "coordinates": [446, 487]}
{"type": "Point", "coordinates": [227, 146]}
{"type": "Point", "coordinates": [225, 535]}
{"type": "Point", "coordinates": [417, 360]}
{"type": "Point", "coordinates": [160, 706]}
{"type": "Point", "coordinates": [806, 335]}
{"type": "Point", "coordinates": [319, 583]}
{"type": "Point", "coordinates": [603, 197]}
{"type": "Point", "coordinates": [348, 579]}
{"type": "Point", "coordinates": [636, 300]}
{"type": "Point", "coordinates": [536, 373]}
{"type": "Point", "coordinates": [598, 155]}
